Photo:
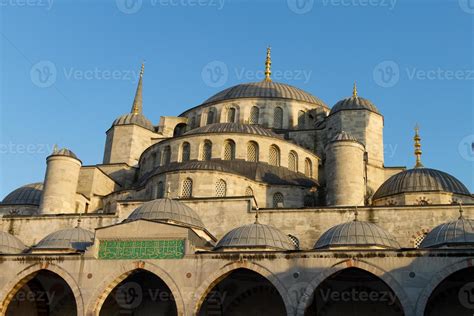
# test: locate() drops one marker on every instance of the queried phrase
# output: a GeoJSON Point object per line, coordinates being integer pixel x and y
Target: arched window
{"type": "Point", "coordinates": [301, 119]}
{"type": "Point", "coordinates": [159, 158]}
{"type": "Point", "coordinates": [192, 123]}
{"type": "Point", "coordinates": [179, 129]}
{"type": "Point", "coordinates": [210, 116]}
{"type": "Point", "coordinates": [185, 152]}
{"type": "Point", "coordinates": [187, 188]}
{"type": "Point", "coordinates": [274, 156]}
{"type": "Point", "coordinates": [293, 161]}
{"type": "Point", "coordinates": [160, 190]}
{"type": "Point", "coordinates": [252, 152]}
{"type": "Point", "coordinates": [278, 117]}
{"type": "Point", "coordinates": [231, 115]}
{"type": "Point", "coordinates": [308, 168]}
{"type": "Point", "coordinates": [166, 155]}
{"type": "Point", "coordinates": [248, 191]}
{"type": "Point", "coordinates": [206, 151]}
{"type": "Point", "coordinates": [221, 188]}
{"type": "Point", "coordinates": [229, 150]}
{"type": "Point", "coordinates": [278, 200]}
{"type": "Point", "coordinates": [254, 113]}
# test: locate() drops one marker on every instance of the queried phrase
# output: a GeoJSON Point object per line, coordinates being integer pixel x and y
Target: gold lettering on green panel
{"type": "Point", "coordinates": [141, 249]}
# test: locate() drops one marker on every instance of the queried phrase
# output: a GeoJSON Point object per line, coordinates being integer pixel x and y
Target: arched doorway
{"type": "Point", "coordinates": [45, 293]}
{"type": "Point", "coordinates": [453, 296]}
{"type": "Point", "coordinates": [141, 293]}
{"type": "Point", "coordinates": [243, 292]}
{"type": "Point", "coordinates": [354, 292]}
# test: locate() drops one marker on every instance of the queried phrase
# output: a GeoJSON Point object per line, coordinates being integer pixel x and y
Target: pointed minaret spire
{"type": "Point", "coordinates": [418, 151]}
{"type": "Point", "coordinates": [138, 101]}
{"type": "Point", "coordinates": [354, 90]}
{"type": "Point", "coordinates": [268, 65]}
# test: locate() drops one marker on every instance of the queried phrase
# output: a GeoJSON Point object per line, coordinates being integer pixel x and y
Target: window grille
{"type": "Point", "coordinates": [221, 188]}
{"type": "Point", "coordinates": [187, 188]}
{"type": "Point", "coordinates": [274, 156]}
{"type": "Point", "coordinates": [278, 200]}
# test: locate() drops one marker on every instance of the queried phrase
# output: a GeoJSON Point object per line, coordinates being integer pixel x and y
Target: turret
{"type": "Point", "coordinates": [60, 183]}
{"type": "Point", "coordinates": [130, 134]}
{"type": "Point", "coordinates": [345, 171]}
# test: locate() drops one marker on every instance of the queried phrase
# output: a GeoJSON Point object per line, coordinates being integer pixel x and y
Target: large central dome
{"type": "Point", "coordinates": [265, 89]}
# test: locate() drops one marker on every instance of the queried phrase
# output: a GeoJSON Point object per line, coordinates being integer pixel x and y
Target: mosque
{"type": "Point", "coordinates": [261, 200]}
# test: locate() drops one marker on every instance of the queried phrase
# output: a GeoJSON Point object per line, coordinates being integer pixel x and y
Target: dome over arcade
{"type": "Point", "coordinates": [9, 244]}
{"type": "Point", "coordinates": [356, 234]}
{"type": "Point", "coordinates": [457, 233]}
{"type": "Point", "coordinates": [27, 194]}
{"type": "Point", "coordinates": [233, 128]}
{"type": "Point", "coordinates": [72, 238]}
{"type": "Point", "coordinates": [354, 103]}
{"type": "Point", "coordinates": [265, 90]}
{"type": "Point", "coordinates": [421, 180]}
{"type": "Point", "coordinates": [255, 235]}
{"type": "Point", "coordinates": [164, 210]}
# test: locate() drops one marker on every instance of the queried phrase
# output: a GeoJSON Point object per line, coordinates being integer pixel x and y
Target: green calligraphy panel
{"type": "Point", "coordinates": [141, 249]}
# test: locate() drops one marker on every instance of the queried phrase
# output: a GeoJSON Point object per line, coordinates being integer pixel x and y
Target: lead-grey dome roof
{"type": "Point", "coordinates": [420, 180]}
{"type": "Point", "coordinates": [233, 128]}
{"type": "Point", "coordinates": [354, 103]}
{"type": "Point", "coordinates": [264, 89]}
{"type": "Point", "coordinates": [134, 118]}
{"type": "Point", "coordinates": [255, 236]}
{"type": "Point", "coordinates": [64, 152]}
{"type": "Point", "coordinates": [344, 136]}
{"type": "Point", "coordinates": [356, 234]}
{"type": "Point", "coordinates": [72, 238]}
{"type": "Point", "coordinates": [27, 194]}
{"type": "Point", "coordinates": [167, 210]}
{"type": "Point", "coordinates": [9, 244]}
{"type": "Point", "coordinates": [455, 233]}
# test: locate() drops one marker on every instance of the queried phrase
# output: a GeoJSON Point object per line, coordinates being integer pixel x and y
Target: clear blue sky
{"type": "Point", "coordinates": [333, 42]}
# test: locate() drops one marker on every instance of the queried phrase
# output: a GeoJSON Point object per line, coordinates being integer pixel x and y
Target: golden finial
{"type": "Point", "coordinates": [79, 220]}
{"type": "Point", "coordinates": [356, 214]}
{"type": "Point", "coordinates": [354, 90]}
{"type": "Point", "coordinates": [268, 65]}
{"type": "Point", "coordinates": [142, 71]}
{"type": "Point", "coordinates": [418, 151]}
{"type": "Point", "coordinates": [461, 211]}
{"type": "Point", "coordinates": [55, 148]}
{"type": "Point", "coordinates": [168, 191]}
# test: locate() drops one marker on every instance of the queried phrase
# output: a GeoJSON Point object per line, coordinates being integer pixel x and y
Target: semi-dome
{"type": "Point", "coordinates": [134, 118]}
{"type": "Point", "coordinates": [356, 234]}
{"type": "Point", "coordinates": [233, 128]}
{"type": "Point", "coordinates": [354, 103]}
{"type": "Point", "coordinates": [255, 236]}
{"type": "Point", "coordinates": [9, 244]}
{"type": "Point", "coordinates": [420, 180]}
{"type": "Point", "coordinates": [72, 238]}
{"type": "Point", "coordinates": [457, 233]}
{"type": "Point", "coordinates": [28, 194]}
{"type": "Point", "coordinates": [167, 210]}
{"type": "Point", "coordinates": [267, 90]}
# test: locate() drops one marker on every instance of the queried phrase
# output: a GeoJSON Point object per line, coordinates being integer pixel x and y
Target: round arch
{"type": "Point", "coordinates": [117, 276]}
{"type": "Point", "coordinates": [351, 263]}
{"type": "Point", "coordinates": [12, 287]}
{"type": "Point", "coordinates": [223, 272]}
{"type": "Point", "coordinates": [436, 280]}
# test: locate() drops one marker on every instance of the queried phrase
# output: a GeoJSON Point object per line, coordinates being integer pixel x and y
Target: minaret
{"type": "Point", "coordinates": [137, 107]}
{"type": "Point", "coordinates": [418, 151]}
{"type": "Point", "coordinates": [268, 65]}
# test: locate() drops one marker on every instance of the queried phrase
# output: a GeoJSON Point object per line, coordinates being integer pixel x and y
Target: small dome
{"type": "Point", "coordinates": [256, 236]}
{"type": "Point", "coordinates": [265, 90]}
{"type": "Point", "coordinates": [343, 136]}
{"type": "Point", "coordinates": [420, 180]}
{"type": "Point", "coordinates": [64, 152]}
{"type": "Point", "coordinates": [72, 238]}
{"type": "Point", "coordinates": [9, 244]}
{"type": "Point", "coordinates": [354, 103]}
{"type": "Point", "coordinates": [167, 210]}
{"type": "Point", "coordinates": [233, 128]}
{"type": "Point", "coordinates": [356, 234]}
{"type": "Point", "coordinates": [134, 118]}
{"type": "Point", "coordinates": [27, 194]}
{"type": "Point", "coordinates": [456, 233]}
